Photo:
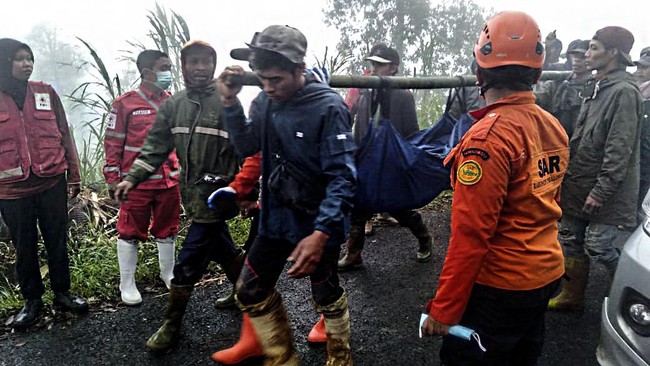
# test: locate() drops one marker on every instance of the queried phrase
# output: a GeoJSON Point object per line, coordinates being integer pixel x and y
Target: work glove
{"type": "Point", "coordinates": [320, 74]}
{"type": "Point", "coordinates": [222, 197]}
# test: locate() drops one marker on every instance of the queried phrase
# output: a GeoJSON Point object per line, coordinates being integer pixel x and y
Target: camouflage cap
{"type": "Point", "coordinates": [282, 39]}
{"type": "Point", "coordinates": [643, 61]}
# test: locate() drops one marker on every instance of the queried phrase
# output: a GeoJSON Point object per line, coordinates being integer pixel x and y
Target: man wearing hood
{"type": "Point", "coordinates": [303, 129]}
{"type": "Point", "coordinates": [39, 169]}
{"type": "Point", "coordinates": [191, 121]}
{"type": "Point", "coordinates": [601, 185]}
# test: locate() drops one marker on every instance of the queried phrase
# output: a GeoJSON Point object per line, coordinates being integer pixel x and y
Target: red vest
{"type": "Point", "coordinates": [31, 139]}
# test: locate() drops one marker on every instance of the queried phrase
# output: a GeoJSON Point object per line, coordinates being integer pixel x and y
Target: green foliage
{"type": "Point", "coordinates": [95, 98]}
{"type": "Point", "coordinates": [169, 33]}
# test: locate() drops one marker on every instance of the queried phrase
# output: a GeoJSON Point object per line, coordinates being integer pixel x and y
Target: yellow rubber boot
{"type": "Point", "coordinates": [337, 327]}
{"type": "Point", "coordinates": [573, 290]}
{"type": "Point", "coordinates": [270, 322]}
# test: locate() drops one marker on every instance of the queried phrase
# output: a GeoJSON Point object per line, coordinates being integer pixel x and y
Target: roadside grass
{"type": "Point", "coordinates": [94, 270]}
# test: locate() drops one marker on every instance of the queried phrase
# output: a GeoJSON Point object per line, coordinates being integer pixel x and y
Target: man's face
{"type": "Point", "coordinates": [162, 64]}
{"type": "Point", "coordinates": [280, 85]}
{"type": "Point", "coordinates": [598, 57]}
{"type": "Point", "coordinates": [642, 73]}
{"type": "Point", "coordinates": [578, 63]}
{"type": "Point", "coordinates": [199, 67]}
{"type": "Point", "coordinates": [382, 69]}
{"type": "Point", "coordinates": [23, 65]}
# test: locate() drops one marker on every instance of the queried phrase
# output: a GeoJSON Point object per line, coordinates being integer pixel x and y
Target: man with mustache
{"type": "Point", "coordinates": [191, 121]}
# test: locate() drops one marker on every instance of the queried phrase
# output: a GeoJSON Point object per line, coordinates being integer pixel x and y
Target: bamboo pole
{"type": "Point", "coordinates": [405, 82]}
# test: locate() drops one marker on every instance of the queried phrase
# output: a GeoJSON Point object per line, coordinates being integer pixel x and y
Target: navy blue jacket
{"type": "Point", "coordinates": [314, 131]}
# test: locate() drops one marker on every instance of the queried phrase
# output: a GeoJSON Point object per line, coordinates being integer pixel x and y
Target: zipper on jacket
{"type": "Point", "coordinates": [189, 140]}
{"type": "Point", "coordinates": [29, 156]}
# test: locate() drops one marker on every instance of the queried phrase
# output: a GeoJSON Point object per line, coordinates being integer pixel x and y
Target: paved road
{"type": "Point", "coordinates": [386, 299]}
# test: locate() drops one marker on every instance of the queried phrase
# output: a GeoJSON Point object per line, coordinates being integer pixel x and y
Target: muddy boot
{"type": "Point", "coordinates": [573, 292]}
{"type": "Point", "coordinates": [166, 258]}
{"type": "Point", "coordinates": [127, 258]}
{"type": "Point", "coordinates": [352, 259]}
{"type": "Point", "coordinates": [232, 270]}
{"type": "Point", "coordinates": [168, 333]}
{"type": "Point", "coordinates": [270, 322]}
{"type": "Point", "coordinates": [337, 327]}
{"type": "Point", "coordinates": [317, 333]}
{"type": "Point", "coordinates": [225, 302]}
{"type": "Point", "coordinates": [247, 346]}
{"type": "Point", "coordinates": [425, 241]}
{"type": "Point", "coordinates": [368, 229]}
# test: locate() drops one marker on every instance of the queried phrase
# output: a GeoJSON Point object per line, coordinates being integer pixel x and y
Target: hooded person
{"type": "Point", "coordinates": [36, 178]}
{"type": "Point", "coordinates": [303, 129]}
{"type": "Point", "coordinates": [191, 122]}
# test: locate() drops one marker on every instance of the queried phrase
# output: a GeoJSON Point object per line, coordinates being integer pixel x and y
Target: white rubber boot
{"type": "Point", "coordinates": [127, 257]}
{"type": "Point", "coordinates": [166, 255]}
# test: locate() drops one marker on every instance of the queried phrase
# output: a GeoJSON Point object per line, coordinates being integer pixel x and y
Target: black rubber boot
{"type": "Point", "coordinates": [232, 270]}
{"type": "Point", "coordinates": [28, 315]}
{"type": "Point", "coordinates": [169, 332]}
{"type": "Point", "coordinates": [71, 303]}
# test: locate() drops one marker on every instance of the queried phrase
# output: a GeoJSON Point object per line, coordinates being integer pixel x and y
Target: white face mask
{"type": "Point", "coordinates": [163, 79]}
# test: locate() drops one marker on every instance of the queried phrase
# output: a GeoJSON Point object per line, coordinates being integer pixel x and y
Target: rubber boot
{"type": "Point", "coordinates": [425, 241]}
{"type": "Point", "coordinates": [166, 256]}
{"type": "Point", "coordinates": [337, 327]}
{"type": "Point", "coordinates": [247, 346]}
{"type": "Point", "coordinates": [352, 259]}
{"type": "Point", "coordinates": [270, 322]}
{"type": "Point", "coordinates": [127, 258]}
{"type": "Point", "coordinates": [169, 332]}
{"type": "Point", "coordinates": [317, 333]}
{"type": "Point", "coordinates": [573, 290]}
{"type": "Point", "coordinates": [232, 270]}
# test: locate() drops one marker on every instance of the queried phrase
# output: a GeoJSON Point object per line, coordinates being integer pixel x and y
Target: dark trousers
{"type": "Point", "coordinates": [47, 211]}
{"type": "Point", "coordinates": [510, 324]}
{"type": "Point", "coordinates": [266, 261]}
{"type": "Point", "coordinates": [203, 243]}
{"type": "Point", "coordinates": [408, 218]}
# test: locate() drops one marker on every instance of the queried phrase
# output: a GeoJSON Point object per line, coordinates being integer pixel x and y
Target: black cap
{"type": "Point", "coordinates": [384, 54]}
{"type": "Point", "coordinates": [578, 46]}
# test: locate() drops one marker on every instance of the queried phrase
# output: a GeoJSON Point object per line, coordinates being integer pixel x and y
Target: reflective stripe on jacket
{"type": "Point", "coordinates": [128, 125]}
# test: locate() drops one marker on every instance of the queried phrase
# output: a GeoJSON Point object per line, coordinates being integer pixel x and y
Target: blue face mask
{"type": "Point", "coordinates": [163, 79]}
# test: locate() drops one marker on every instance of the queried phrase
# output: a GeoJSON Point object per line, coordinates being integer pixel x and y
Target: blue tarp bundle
{"type": "Point", "coordinates": [397, 173]}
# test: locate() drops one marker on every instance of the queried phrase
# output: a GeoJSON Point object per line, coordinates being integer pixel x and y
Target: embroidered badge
{"type": "Point", "coordinates": [141, 112]}
{"type": "Point", "coordinates": [110, 123]}
{"type": "Point", "coordinates": [469, 173]}
{"type": "Point", "coordinates": [476, 151]}
{"type": "Point", "coordinates": [42, 101]}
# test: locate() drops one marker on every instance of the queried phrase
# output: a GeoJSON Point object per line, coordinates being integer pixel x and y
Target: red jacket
{"type": "Point", "coordinates": [37, 139]}
{"type": "Point", "coordinates": [506, 173]}
{"type": "Point", "coordinates": [128, 125]}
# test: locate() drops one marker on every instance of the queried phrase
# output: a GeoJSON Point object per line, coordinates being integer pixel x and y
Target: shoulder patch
{"type": "Point", "coordinates": [469, 173]}
{"type": "Point", "coordinates": [476, 151]}
{"type": "Point", "coordinates": [483, 126]}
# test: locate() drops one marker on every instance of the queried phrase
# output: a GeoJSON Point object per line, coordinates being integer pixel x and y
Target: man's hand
{"type": "Point", "coordinates": [434, 327]}
{"type": "Point", "coordinates": [111, 189]}
{"type": "Point", "coordinates": [73, 190]}
{"type": "Point", "coordinates": [249, 208]}
{"type": "Point", "coordinates": [592, 205]}
{"type": "Point", "coordinates": [122, 190]}
{"type": "Point", "coordinates": [229, 83]}
{"type": "Point", "coordinates": [307, 255]}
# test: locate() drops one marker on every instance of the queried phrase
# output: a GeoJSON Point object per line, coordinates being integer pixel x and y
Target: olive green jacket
{"type": "Point", "coordinates": [604, 151]}
{"type": "Point", "coordinates": [191, 123]}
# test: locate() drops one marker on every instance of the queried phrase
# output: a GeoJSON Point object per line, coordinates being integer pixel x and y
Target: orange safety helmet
{"type": "Point", "coordinates": [510, 38]}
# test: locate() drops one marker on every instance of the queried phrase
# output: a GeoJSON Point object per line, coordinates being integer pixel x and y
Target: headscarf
{"type": "Point", "coordinates": [17, 89]}
{"type": "Point", "coordinates": [189, 47]}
